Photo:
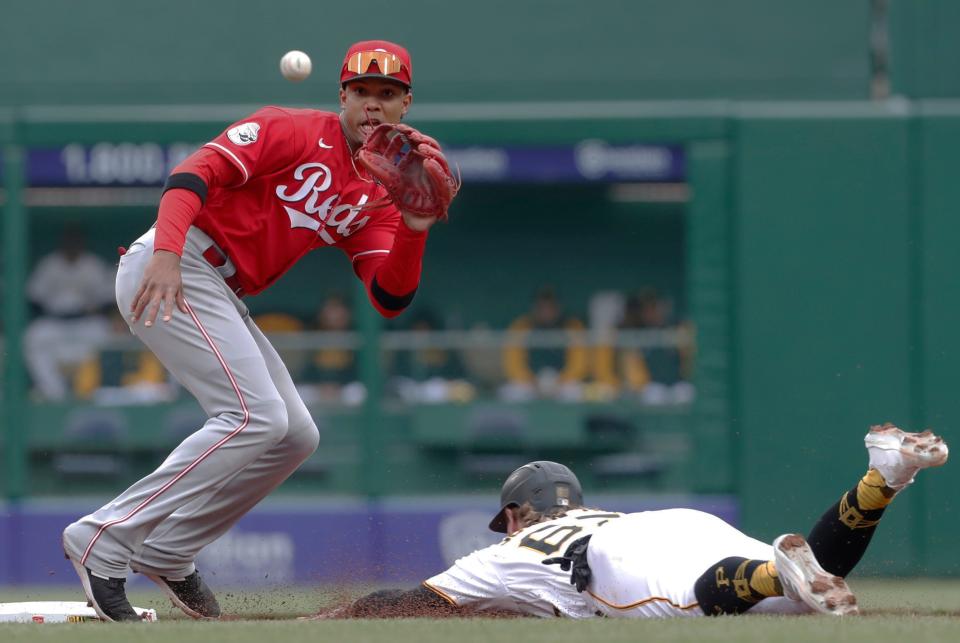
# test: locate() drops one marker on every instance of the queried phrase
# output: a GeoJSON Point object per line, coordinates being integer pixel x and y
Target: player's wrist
{"type": "Point", "coordinates": [417, 224]}
{"type": "Point", "coordinates": [167, 253]}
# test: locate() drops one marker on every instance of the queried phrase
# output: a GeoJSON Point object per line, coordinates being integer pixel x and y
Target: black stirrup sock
{"type": "Point", "coordinates": [734, 585]}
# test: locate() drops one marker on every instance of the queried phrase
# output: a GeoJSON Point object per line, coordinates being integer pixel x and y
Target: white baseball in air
{"type": "Point", "coordinates": [295, 66]}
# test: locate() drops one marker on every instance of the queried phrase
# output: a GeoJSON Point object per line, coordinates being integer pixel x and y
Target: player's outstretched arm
{"type": "Point", "coordinates": [417, 179]}
{"type": "Point", "coordinates": [391, 278]}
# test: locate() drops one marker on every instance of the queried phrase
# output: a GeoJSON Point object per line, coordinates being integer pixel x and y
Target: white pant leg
{"type": "Point", "coordinates": [172, 547]}
{"type": "Point", "coordinates": [645, 565]}
{"type": "Point", "coordinates": [211, 351]}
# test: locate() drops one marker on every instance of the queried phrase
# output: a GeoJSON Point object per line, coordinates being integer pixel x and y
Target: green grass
{"type": "Point", "coordinates": [898, 610]}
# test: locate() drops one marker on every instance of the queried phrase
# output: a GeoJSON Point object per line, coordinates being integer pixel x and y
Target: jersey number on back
{"type": "Point", "coordinates": [550, 539]}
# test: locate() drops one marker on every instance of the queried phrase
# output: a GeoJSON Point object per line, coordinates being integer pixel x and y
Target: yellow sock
{"type": "Point", "coordinates": [766, 581]}
{"type": "Point", "coordinates": [873, 492]}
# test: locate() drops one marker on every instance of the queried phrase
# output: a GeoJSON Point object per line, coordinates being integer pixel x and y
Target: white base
{"type": "Point", "coordinates": [58, 612]}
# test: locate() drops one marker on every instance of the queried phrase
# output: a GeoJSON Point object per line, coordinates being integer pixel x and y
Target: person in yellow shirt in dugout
{"type": "Point", "coordinates": [332, 374]}
{"type": "Point", "coordinates": [122, 375]}
{"type": "Point", "coordinates": [533, 370]}
{"type": "Point", "coordinates": [656, 374]}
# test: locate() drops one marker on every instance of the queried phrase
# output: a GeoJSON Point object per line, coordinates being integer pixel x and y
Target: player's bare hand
{"type": "Point", "coordinates": [160, 289]}
{"type": "Point", "coordinates": [418, 222]}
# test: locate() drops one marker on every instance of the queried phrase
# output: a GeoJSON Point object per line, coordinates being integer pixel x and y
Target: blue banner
{"type": "Point", "coordinates": [588, 161]}
{"type": "Point", "coordinates": [309, 542]}
{"type": "Point", "coordinates": [105, 164]}
{"type": "Point", "coordinates": [149, 164]}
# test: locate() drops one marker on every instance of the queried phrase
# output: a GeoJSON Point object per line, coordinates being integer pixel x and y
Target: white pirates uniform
{"type": "Point", "coordinates": [644, 565]}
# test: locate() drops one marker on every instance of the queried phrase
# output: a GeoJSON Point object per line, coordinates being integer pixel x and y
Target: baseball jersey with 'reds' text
{"type": "Point", "coordinates": [299, 190]}
{"type": "Point", "coordinates": [511, 574]}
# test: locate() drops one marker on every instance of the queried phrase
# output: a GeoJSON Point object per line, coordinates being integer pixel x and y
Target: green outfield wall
{"type": "Point", "coordinates": [846, 310]}
{"type": "Point", "coordinates": [924, 48]}
{"type": "Point", "coordinates": [824, 304]}
{"type": "Point", "coordinates": [223, 51]}
{"type": "Point", "coordinates": [937, 195]}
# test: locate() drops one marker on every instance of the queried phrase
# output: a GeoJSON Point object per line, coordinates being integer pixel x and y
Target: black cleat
{"type": "Point", "coordinates": [190, 594]}
{"type": "Point", "coordinates": [106, 596]}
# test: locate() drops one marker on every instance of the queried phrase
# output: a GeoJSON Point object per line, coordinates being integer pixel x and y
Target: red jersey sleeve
{"type": "Point", "coordinates": [185, 192]}
{"type": "Point", "coordinates": [387, 256]}
{"type": "Point", "coordinates": [263, 143]}
{"type": "Point", "coordinates": [375, 238]}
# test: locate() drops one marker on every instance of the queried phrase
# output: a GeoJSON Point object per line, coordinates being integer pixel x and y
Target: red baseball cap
{"type": "Point", "coordinates": [377, 59]}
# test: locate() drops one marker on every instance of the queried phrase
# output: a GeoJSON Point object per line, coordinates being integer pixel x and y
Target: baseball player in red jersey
{"type": "Point", "coordinates": [234, 217]}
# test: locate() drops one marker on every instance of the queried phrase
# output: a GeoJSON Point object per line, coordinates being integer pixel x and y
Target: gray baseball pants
{"type": "Point", "coordinates": [258, 432]}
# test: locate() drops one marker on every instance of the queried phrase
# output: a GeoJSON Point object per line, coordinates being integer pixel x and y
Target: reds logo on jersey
{"type": "Point", "coordinates": [244, 134]}
{"type": "Point", "coordinates": [316, 178]}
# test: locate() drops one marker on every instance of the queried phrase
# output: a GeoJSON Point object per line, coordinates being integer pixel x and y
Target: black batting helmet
{"type": "Point", "coordinates": [545, 485]}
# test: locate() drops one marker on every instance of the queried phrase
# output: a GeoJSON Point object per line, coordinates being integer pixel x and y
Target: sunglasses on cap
{"type": "Point", "coordinates": [387, 63]}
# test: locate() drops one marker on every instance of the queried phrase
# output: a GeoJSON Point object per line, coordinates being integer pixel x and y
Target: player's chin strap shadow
{"type": "Point", "coordinates": [574, 560]}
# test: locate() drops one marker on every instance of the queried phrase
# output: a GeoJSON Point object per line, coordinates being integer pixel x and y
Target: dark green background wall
{"type": "Point", "coordinates": [937, 199]}
{"type": "Point", "coordinates": [846, 312]}
{"type": "Point", "coordinates": [179, 51]}
{"type": "Point", "coordinates": [227, 51]}
{"type": "Point", "coordinates": [924, 48]}
{"type": "Point", "coordinates": [823, 306]}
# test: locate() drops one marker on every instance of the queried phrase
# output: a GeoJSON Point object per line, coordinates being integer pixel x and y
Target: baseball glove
{"type": "Point", "coordinates": [411, 168]}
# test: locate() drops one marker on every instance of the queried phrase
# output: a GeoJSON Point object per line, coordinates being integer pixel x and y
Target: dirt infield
{"type": "Point", "coordinates": [919, 610]}
{"type": "Point", "coordinates": [760, 629]}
